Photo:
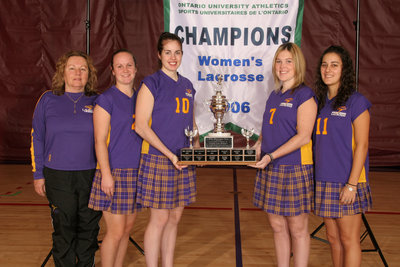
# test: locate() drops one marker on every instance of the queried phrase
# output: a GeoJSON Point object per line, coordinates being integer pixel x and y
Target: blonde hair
{"type": "Point", "coordinates": [58, 82]}
{"type": "Point", "coordinates": [299, 65]}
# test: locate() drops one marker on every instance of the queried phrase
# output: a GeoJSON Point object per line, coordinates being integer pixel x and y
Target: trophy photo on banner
{"type": "Point", "coordinates": [218, 145]}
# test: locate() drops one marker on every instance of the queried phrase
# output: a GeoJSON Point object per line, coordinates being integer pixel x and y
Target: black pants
{"type": "Point", "coordinates": [75, 225]}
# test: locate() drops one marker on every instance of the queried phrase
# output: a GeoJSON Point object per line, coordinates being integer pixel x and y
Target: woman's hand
{"type": "Point", "coordinates": [262, 163]}
{"type": "Point", "coordinates": [174, 160]}
{"type": "Point", "coordinates": [107, 185]}
{"type": "Point", "coordinates": [257, 147]}
{"type": "Point", "coordinates": [40, 187]}
{"type": "Point", "coordinates": [348, 197]}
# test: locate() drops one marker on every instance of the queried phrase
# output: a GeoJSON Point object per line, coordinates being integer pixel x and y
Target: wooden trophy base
{"type": "Point", "coordinates": [217, 156]}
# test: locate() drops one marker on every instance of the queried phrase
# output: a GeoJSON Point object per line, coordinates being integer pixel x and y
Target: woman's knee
{"type": "Point", "coordinates": [174, 219]}
{"type": "Point", "coordinates": [129, 223]}
{"type": "Point", "coordinates": [298, 226]}
{"type": "Point", "coordinates": [333, 237]}
{"type": "Point", "coordinates": [349, 228]}
{"type": "Point", "coordinates": [175, 216]}
{"type": "Point", "coordinates": [349, 240]}
{"type": "Point", "coordinates": [278, 224]}
{"type": "Point", "coordinates": [159, 218]}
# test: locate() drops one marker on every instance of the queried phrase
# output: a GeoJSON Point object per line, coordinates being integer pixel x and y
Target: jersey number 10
{"type": "Point", "coordinates": [185, 105]}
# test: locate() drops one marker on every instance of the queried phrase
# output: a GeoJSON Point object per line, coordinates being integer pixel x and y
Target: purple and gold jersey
{"type": "Point", "coordinates": [334, 140]}
{"type": "Point", "coordinates": [280, 124]}
{"type": "Point", "coordinates": [172, 112]}
{"type": "Point", "coordinates": [62, 139]}
{"type": "Point", "coordinates": [123, 142]}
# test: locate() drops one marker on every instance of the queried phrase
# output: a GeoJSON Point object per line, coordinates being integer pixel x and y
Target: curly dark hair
{"type": "Point", "coordinates": [58, 83]}
{"type": "Point", "coordinates": [347, 79]}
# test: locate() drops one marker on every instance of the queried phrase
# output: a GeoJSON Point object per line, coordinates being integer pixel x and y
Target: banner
{"type": "Point", "coordinates": [237, 40]}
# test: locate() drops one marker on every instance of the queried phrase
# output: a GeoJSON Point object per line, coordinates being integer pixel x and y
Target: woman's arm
{"type": "Point", "coordinates": [196, 139]}
{"type": "Point", "coordinates": [38, 147]}
{"type": "Point", "coordinates": [361, 133]}
{"type": "Point", "coordinates": [101, 124]}
{"type": "Point", "coordinates": [144, 109]}
{"type": "Point", "coordinates": [306, 115]}
{"type": "Point", "coordinates": [257, 147]}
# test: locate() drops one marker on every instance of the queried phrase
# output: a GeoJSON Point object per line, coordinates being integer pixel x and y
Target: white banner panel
{"type": "Point", "coordinates": [236, 39]}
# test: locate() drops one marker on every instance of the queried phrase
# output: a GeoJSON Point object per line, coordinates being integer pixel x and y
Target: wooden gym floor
{"type": "Point", "coordinates": [221, 229]}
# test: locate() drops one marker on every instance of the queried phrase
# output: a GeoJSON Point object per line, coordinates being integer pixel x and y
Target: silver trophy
{"type": "Point", "coordinates": [218, 144]}
{"type": "Point", "coordinates": [247, 133]}
{"type": "Point", "coordinates": [219, 106]}
{"type": "Point", "coordinates": [190, 133]}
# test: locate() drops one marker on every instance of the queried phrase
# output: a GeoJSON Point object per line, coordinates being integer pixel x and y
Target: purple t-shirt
{"type": "Point", "coordinates": [280, 124]}
{"type": "Point", "coordinates": [124, 143]}
{"type": "Point", "coordinates": [172, 111]}
{"type": "Point", "coordinates": [333, 140]}
{"type": "Point", "coordinates": [62, 140]}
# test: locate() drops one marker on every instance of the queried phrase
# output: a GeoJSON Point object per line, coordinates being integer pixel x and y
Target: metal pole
{"type": "Point", "coordinates": [87, 22]}
{"type": "Point", "coordinates": [357, 24]}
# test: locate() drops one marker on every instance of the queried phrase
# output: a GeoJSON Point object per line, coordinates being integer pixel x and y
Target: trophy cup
{"type": "Point", "coordinates": [247, 134]}
{"type": "Point", "coordinates": [218, 145]}
{"type": "Point", "coordinates": [190, 133]}
{"type": "Point", "coordinates": [218, 106]}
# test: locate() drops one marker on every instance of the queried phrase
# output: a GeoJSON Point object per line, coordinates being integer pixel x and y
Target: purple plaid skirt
{"type": "Point", "coordinates": [124, 199]}
{"type": "Point", "coordinates": [162, 186]}
{"type": "Point", "coordinates": [327, 202]}
{"type": "Point", "coordinates": [285, 190]}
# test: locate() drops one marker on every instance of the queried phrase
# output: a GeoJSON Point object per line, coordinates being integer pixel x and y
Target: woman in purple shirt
{"type": "Point", "coordinates": [341, 132]}
{"type": "Point", "coordinates": [284, 182]}
{"type": "Point", "coordinates": [63, 158]}
{"type": "Point", "coordinates": [118, 154]}
{"type": "Point", "coordinates": [164, 110]}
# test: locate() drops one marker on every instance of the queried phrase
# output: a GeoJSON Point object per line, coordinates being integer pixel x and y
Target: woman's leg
{"type": "Point", "coordinates": [349, 228]}
{"type": "Point", "coordinates": [63, 204]}
{"type": "Point", "coordinates": [281, 239]}
{"type": "Point", "coordinates": [123, 243]}
{"type": "Point", "coordinates": [298, 227]}
{"type": "Point", "coordinates": [169, 237]}
{"type": "Point", "coordinates": [115, 229]}
{"type": "Point", "coordinates": [333, 236]}
{"type": "Point", "coordinates": [88, 220]}
{"type": "Point", "coordinates": [152, 236]}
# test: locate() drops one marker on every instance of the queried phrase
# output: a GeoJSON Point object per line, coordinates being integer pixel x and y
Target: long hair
{"type": "Point", "coordinates": [299, 65]}
{"type": "Point", "coordinates": [58, 82]}
{"type": "Point", "coordinates": [347, 79]}
{"type": "Point", "coordinates": [163, 37]}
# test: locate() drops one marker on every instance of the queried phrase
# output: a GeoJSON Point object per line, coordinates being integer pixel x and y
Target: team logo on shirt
{"type": "Point", "coordinates": [189, 93]}
{"type": "Point", "coordinates": [287, 103]}
{"type": "Point", "coordinates": [88, 109]}
{"type": "Point", "coordinates": [339, 112]}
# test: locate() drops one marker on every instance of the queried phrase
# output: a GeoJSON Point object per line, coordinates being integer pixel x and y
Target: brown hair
{"type": "Point", "coordinates": [164, 37]}
{"type": "Point", "coordinates": [122, 50]}
{"type": "Point", "coordinates": [58, 82]}
{"type": "Point", "coordinates": [347, 79]}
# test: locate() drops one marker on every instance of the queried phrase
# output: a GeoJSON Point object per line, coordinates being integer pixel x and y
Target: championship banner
{"type": "Point", "coordinates": [236, 40]}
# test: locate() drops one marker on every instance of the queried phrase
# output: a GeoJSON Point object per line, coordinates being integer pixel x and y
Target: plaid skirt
{"type": "Point", "coordinates": [285, 190]}
{"type": "Point", "coordinates": [327, 202]}
{"type": "Point", "coordinates": [162, 186]}
{"type": "Point", "coordinates": [124, 199]}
